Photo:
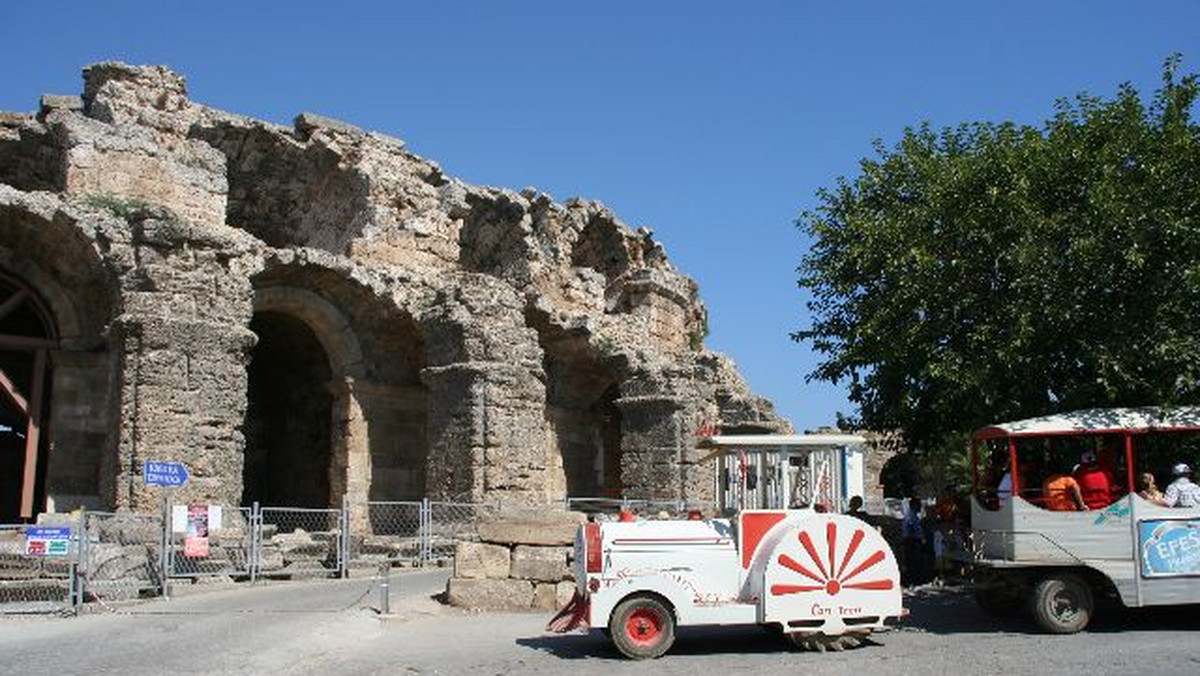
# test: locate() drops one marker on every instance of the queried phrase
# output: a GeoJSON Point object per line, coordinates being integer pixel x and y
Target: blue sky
{"type": "Point", "coordinates": [713, 123]}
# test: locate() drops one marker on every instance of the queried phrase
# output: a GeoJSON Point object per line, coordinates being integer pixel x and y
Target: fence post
{"type": "Point", "coordinates": [165, 543]}
{"type": "Point", "coordinates": [344, 540]}
{"type": "Point", "coordinates": [385, 588]}
{"type": "Point", "coordinates": [425, 531]}
{"type": "Point", "coordinates": [255, 541]}
{"type": "Point", "coordinates": [76, 589]}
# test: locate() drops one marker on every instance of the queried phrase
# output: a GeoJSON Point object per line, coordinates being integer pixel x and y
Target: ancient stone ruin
{"type": "Point", "coordinates": [307, 313]}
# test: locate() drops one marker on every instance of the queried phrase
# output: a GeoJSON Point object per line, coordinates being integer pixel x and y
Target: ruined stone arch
{"type": "Point", "coordinates": [63, 371]}
{"type": "Point", "coordinates": [366, 420]}
{"type": "Point", "coordinates": [328, 323]}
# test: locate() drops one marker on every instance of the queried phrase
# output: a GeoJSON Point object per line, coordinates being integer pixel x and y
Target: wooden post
{"type": "Point", "coordinates": [33, 433]}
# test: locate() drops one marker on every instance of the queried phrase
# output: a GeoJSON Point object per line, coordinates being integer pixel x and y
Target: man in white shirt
{"type": "Point", "coordinates": [1182, 492]}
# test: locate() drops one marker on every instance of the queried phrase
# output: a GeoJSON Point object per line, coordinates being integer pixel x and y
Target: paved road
{"type": "Point", "coordinates": [333, 627]}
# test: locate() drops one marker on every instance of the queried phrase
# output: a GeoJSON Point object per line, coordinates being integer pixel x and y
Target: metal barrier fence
{"type": "Point", "coordinates": [448, 523]}
{"type": "Point", "coordinates": [38, 578]}
{"type": "Point", "coordinates": [113, 556]}
{"type": "Point", "coordinates": [226, 548]}
{"type": "Point", "coordinates": [296, 541]}
{"type": "Point", "coordinates": [121, 555]}
{"type": "Point", "coordinates": [395, 532]}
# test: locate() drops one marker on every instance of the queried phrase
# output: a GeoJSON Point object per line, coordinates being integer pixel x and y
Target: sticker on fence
{"type": "Point", "coordinates": [45, 541]}
{"type": "Point", "coordinates": [195, 542]}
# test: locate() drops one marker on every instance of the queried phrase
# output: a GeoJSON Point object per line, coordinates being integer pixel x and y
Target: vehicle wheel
{"type": "Point", "coordinates": [1062, 604]}
{"type": "Point", "coordinates": [642, 627]}
{"type": "Point", "coordinates": [819, 642]}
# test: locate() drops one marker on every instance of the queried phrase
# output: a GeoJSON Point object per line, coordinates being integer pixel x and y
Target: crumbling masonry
{"type": "Point", "coordinates": [310, 312]}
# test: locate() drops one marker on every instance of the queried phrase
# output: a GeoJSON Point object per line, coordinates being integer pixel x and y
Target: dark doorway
{"type": "Point", "coordinates": [581, 400]}
{"type": "Point", "coordinates": [288, 418]}
{"type": "Point", "coordinates": [26, 336]}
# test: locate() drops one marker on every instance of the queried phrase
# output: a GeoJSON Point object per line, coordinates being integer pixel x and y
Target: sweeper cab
{"type": "Point", "coordinates": [821, 579]}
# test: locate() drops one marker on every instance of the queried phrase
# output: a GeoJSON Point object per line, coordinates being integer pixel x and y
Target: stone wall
{"type": "Point", "coordinates": [522, 561]}
{"type": "Point", "coordinates": [463, 342]}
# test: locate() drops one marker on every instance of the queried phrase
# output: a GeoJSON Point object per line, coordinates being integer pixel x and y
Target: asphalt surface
{"type": "Point", "coordinates": [325, 627]}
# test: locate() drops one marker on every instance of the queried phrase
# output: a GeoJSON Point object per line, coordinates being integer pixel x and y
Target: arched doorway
{"type": "Point", "coordinates": [288, 436]}
{"type": "Point", "coordinates": [585, 421]}
{"type": "Point", "coordinates": [27, 334]}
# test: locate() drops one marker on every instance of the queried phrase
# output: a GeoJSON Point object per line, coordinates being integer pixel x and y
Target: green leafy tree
{"type": "Point", "coordinates": [997, 271]}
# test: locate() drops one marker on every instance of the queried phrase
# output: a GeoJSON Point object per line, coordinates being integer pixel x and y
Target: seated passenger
{"type": "Point", "coordinates": [1095, 482]}
{"type": "Point", "coordinates": [1182, 492]}
{"type": "Point", "coordinates": [1061, 493]}
{"type": "Point", "coordinates": [1149, 491]}
{"type": "Point", "coordinates": [1004, 490]}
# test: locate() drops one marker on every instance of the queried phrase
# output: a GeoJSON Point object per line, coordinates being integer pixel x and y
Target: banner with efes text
{"type": "Point", "coordinates": [1169, 547]}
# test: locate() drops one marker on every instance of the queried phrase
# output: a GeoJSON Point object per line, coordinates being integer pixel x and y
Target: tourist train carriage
{"type": "Point", "coordinates": [822, 579]}
{"type": "Point", "coordinates": [1054, 563]}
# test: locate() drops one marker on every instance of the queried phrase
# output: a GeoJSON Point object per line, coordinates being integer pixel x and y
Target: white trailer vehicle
{"type": "Point", "coordinates": [822, 579]}
{"type": "Point", "coordinates": [1031, 555]}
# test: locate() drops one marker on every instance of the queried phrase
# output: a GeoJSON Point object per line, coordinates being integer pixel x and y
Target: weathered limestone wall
{"type": "Point", "coordinates": [185, 343]}
{"type": "Point", "coordinates": [480, 343]}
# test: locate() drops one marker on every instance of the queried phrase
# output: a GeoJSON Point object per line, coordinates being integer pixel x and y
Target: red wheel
{"type": "Point", "coordinates": [642, 627]}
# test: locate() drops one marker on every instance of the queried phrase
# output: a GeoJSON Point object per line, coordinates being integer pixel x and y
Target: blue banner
{"type": "Point", "coordinates": [1169, 547]}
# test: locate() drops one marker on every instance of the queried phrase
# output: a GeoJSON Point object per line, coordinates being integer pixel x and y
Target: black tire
{"type": "Point", "coordinates": [1062, 604]}
{"type": "Point", "coordinates": [642, 627]}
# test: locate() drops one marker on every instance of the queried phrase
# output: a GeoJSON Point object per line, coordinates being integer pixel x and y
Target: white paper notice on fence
{"type": "Point", "coordinates": [214, 517]}
{"type": "Point", "coordinates": [179, 518]}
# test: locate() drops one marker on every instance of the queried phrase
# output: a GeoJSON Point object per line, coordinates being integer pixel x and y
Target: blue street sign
{"type": "Point", "coordinates": [165, 473]}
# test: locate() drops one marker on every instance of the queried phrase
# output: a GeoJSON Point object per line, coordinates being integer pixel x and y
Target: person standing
{"type": "Point", "coordinates": [1182, 492]}
{"type": "Point", "coordinates": [856, 508]}
{"type": "Point", "coordinates": [912, 533]}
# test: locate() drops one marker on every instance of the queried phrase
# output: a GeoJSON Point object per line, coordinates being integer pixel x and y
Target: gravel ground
{"type": "Point", "coordinates": [334, 627]}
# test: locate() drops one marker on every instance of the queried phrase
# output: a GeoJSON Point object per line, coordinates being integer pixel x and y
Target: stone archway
{"type": "Point", "coordinates": [584, 419]}
{"type": "Point", "coordinates": [55, 309]}
{"type": "Point", "coordinates": [297, 447]}
{"type": "Point", "coordinates": [350, 366]}
{"type": "Point", "coordinates": [27, 334]}
{"type": "Point", "coordinates": [288, 421]}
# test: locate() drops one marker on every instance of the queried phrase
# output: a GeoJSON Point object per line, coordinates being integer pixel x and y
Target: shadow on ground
{"type": "Point", "coordinates": [935, 610]}
{"type": "Point", "coordinates": [952, 610]}
{"type": "Point", "coordinates": [739, 640]}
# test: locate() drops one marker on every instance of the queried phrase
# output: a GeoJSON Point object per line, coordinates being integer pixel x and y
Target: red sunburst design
{"type": "Point", "coordinates": [834, 578]}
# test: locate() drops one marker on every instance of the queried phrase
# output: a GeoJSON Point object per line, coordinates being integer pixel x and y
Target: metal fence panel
{"type": "Point", "coordinates": [448, 523]}
{"type": "Point", "coordinates": [122, 555]}
{"type": "Point", "coordinates": [227, 546]}
{"type": "Point", "coordinates": [296, 541]}
{"type": "Point", "coordinates": [392, 533]}
{"type": "Point", "coordinates": [32, 583]}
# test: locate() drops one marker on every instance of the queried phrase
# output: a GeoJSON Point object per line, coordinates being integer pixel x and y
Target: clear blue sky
{"type": "Point", "coordinates": [714, 123]}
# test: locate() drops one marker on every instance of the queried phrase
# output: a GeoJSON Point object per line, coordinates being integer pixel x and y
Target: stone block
{"type": "Point", "coordinates": [490, 594]}
{"type": "Point", "coordinates": [544, 564]}
{"type": "Point", "coordinates": [545, 596]}
{"type": "Point", "coordinates": [477, 560]}
{"type": "Point", "coordinates": [547, 529]}
{"type": "Point", "coordinates": [564, 591]}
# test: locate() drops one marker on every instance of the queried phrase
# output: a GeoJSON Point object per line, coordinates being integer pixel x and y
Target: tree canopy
{"type": "Point", "coordinates": [997, 271]}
